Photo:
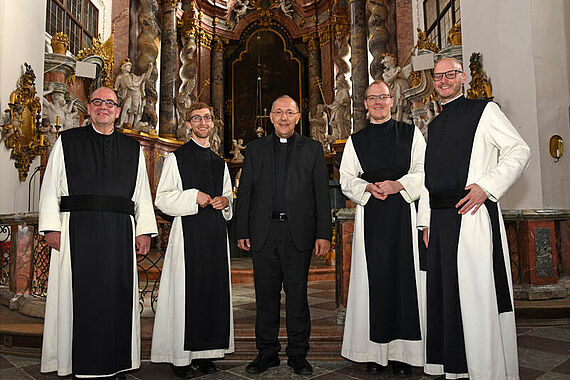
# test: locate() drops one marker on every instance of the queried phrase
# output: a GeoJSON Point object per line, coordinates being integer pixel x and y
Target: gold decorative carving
{"type": "Point", "coordinates": [454, 35]}
{"type": "Point", "coordinates": [264, 4]}
{"type": "Point", "coordinates": [21, 132]}
{"type": "Point", "coordinates": [325, 35]}
{"type": "Point", "coordinates": [480, 85]}
{"type": "Point", "coordinates": [218, 43]}
{"type": "Point", "coordinates": [312, 40]}
{"type": "Point", "coordinates": [104, 50]}
{"type": "Point", "coordinates": [425, 43]}
{"type": "Point", "coordinates": [228, 23]}
{"type": "Point", "coordinates": [341, 22]}
{"type": "Point", "coordinates": [60, 43]}
{"type": "Point", "coordinates": [301, 22]}
{"type": "Point", "coordinates": [189, 25]}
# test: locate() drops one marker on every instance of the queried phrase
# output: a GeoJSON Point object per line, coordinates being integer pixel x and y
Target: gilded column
{"type": "Point", "coordinates": [217, 89]}
{"type": "Point", "coordinates": [359, 60]}
{"type": "Point", "coordinates": [168, 69]}
{"type": "Point", "coordinates": [314, 72]}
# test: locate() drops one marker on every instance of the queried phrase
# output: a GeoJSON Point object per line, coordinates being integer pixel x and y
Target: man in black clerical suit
{"type": "Point", "coordinates": [95, 211]}
{"type": "Point", "coordinates": [283, 213]}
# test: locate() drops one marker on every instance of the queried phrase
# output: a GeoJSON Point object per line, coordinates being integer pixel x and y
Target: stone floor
{"type": "Point", "coordinates": [544, 348]}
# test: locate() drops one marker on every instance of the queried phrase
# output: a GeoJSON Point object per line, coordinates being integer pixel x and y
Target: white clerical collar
{"type": "Point", "coordinates": [101, 133]}
{"type": "Point", "coordinates": [381, 122]}
{"type": "Point", "coordinates": [449, 101]}
{"type": "Point", "coordinates": [282, 140]}
{"type": "Point", "coordinates": [203, 146]}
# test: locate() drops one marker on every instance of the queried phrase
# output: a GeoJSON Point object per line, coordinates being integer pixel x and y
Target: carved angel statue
{"type": "Point", "coordinates": [287, 8]}
{"type": "Point", "coordinates": [12, 122]}
{"type": "Point", "coordinates": [397, 78]}
{"type": "Point", "coordinates": [58, 107]}
{"type": "Point", "coordinates": [236, 151]}
{"type": "Point", "coordinates": [215, 139]}
{"type": "Point", "coordinates": [319, 122]}
{"type": "Point", "coordinates": [240, 9]}
{"type": "Point", "coordinates": [340, 110]}
{"type": "Point", "coordinates": [183, 131]}
{"type": "Point", "coordinates": [131, 90]}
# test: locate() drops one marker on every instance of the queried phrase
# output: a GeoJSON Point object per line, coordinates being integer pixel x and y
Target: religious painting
{"type": "Point", "coordinates": [262, 72]}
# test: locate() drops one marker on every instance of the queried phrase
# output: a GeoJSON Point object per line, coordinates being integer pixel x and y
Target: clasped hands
{"type": "Point", "coordinates": [218, 203]}
{"type": "Point", "coordinates": [381, 190]}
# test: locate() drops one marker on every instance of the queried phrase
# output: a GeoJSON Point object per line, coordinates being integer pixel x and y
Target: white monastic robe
{"type": "Point", "coordinates": [183, 325]}
{"type": "Point", "coordinates": [471, 142]}
{"type": "Point", "coordinates": [397, 150]}
{"type": "Point", "coordinates": [81, 335]}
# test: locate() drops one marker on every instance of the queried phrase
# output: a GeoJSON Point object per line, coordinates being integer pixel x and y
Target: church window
{"type": "Point", "coordinates": [76, 18]}
{"type": "Point", "coordinates": [439, 18]}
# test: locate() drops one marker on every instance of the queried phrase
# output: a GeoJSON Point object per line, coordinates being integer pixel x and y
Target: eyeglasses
{"type": "Point", "coordinates": [198, 118]}
{"type": "Point", "coordinates": [382, 98]}
{"type": "Point", "coordinates": [451, 74]}
{"type": "Point", "coordinates": [287, 113]}
{"type": "Point", "coordinates": [108, 102]}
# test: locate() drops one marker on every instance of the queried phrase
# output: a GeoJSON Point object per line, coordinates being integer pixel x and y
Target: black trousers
{"type": "Point", "coordinates": [279, 264]}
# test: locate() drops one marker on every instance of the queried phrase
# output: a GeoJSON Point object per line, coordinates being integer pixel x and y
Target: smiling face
{"type": "Point", "coordinates": [284, 116]}
{"type": "Point", "coordinates": [201, 128]}
{"type": "Point", "coordinates": [378, 109]}
{"type": "Point", "coordinates": [103, 117]}
{"type": "Point", "coordinates": [447, 89]}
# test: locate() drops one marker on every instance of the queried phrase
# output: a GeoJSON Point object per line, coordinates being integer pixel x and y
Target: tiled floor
{"type": "Point", "coordinates": [544, 352]}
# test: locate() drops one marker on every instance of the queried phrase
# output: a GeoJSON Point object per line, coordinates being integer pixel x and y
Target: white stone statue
{"type": "Point", "coordinates": [215, 139]}
{"type": "Point", "coordinates": [58, 107]}
{"type": "Point", "coordinates": [340, 110]}
{"type": "Point", "coordinates": [183, 132]}
{"type": "Point", "coordinates": [319, 122]}
{"type": "Point", "coordinates": [240, 9]}
{"type": "Point", "coordinates": [287, 8]}
{"type": "Point", "coordinates": [131, 90]}
{"type": "Point", "coordinates": [397, 78]}
{"type": "Point", "coordinates": [236, 151]}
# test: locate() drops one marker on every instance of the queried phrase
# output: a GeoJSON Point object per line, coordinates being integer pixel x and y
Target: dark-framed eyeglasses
{"type": "Point", "coordinates": [108, 102]}
{"type": "Point", "coordinates": [381, 98]}
{"type": "Point", "coordinates": [451, 74]}
{"type": "Point", "coordinates": [198, 118]}
{"type": "Point", "coordinates": [286, 113]}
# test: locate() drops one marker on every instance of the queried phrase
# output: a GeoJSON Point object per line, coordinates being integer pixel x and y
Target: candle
{"type": "Point", "coordinates": [57, 120]}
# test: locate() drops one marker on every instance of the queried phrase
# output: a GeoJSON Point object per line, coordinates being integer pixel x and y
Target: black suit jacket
{"type": "Point", "coordinates": [307, 193]}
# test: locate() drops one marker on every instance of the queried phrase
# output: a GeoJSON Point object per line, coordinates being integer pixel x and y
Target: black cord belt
{"type": "Point", "coordinates": [92, 202]}
{"type": "Point", "coordinates": [446, 199]}
{"type": "Point", "coordinates": [279, 216]}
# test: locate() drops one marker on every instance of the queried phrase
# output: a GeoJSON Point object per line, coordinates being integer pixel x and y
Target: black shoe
{"type": "Point", "coordinates": [374, 368]}
{"type": "Point", "coordinates": [402, 369]}
{"type": "Point", "coordinates": [300, 365]}
{"type": "Point", "coordinates": [262, 364]}
{"type": "Point", "coordinates": [121, 376]}
{"type": "Point", "coordinates": [185, 372]}
{"type": "Point", "coordinates": [206, 366]}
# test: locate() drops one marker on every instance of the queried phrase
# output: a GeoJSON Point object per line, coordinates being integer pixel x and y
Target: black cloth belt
{"type": "Point", "coordinates": [382, 175]}
{"type": "Point", "coordinates": [92, 202]}
{"type": "Point", "coordinates": [279, 215]}
{"type": "Point", "coordinates": [447, 199]}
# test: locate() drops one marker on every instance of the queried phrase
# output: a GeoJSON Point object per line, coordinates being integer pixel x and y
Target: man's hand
{"type": "Point", "coordinates": [389, 187]}
{"type": "Point", "coordinates": [142, 244]}
{"type": "Point", "coordinates": [203, 199]}
{"type": "Point", "coordinates": [244, 244]}
{"type": "Point", "coordinates": [322, 247]}
{"type": "Point", "coordinates": [426, 236]}
{"type": "Point", "coordinates": [376, 193]}
{"type": "Point", "coordinates": [220, 203]}
{"type": "Point", "coordinates": [474, 199]}
{"type": "Point", "coordinates": [53, 239]}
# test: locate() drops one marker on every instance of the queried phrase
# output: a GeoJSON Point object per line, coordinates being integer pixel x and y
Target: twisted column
{"type": "Point", "coordinates": [148, 52]}
{"type": "Point", "coordinates": [168, 65]}
{"type": "Point", "coordinates": [359, 60]}
{"type": "Point", "coordinates": [217, 89]}
{"type": "Point", "coordinates": [314, 72]}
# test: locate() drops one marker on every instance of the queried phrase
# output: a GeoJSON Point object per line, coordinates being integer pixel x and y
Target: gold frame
{"type": "Point", "coordinates": [246, 50]}
{"type": "Point", "coordinates": [21, 133]}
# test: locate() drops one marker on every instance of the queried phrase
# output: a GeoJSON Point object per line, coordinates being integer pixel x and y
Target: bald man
{"type": "Point", "coordinates": [473, 156]}
{"type": "Point", "coordinates": [96, 212]}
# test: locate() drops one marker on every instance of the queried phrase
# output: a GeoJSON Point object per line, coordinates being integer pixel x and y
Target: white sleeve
{"type": "Point", "coordinates": [170, 198]}
{"type": "Point", "coordinates": [144, 211]}
{"type": "Point", "coordinates": [351, 184]}
{"type": "Point", "coordinates": [413, 180]}
{"type": "Point", "coordinates": [424, 210]}
{"type": "Point", "coordinates": [228, 193]}
{"type": "Point", "coordinates": [51, 191]}
{"type": "Point", "coordinates": [513, 152]}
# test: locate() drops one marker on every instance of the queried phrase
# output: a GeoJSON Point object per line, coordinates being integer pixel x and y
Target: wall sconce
{"type": "Point", "coordinates": [556, 147]}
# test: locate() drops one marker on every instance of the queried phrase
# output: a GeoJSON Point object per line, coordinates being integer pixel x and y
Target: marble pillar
{"type": "Point", "coordinates": [168, 70]}
{"type": "Point", "coordinates": [314, 73]}
{"type": "Point", "coordinates": [359, 61]}
{"type": "Point", "coordinates": [404, 29]}
{"type": "Point", "coordinates": [217, 87]}
{"type": "Point", "coordinates": [120, 16]}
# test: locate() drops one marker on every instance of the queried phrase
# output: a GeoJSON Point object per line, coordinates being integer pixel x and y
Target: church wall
{"type": "Point", "coordinates": [550, 26]}
{"type": "Point", "coordinates": [22, 25]}
{"type": "Point", "coordinates": [502, 31]}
